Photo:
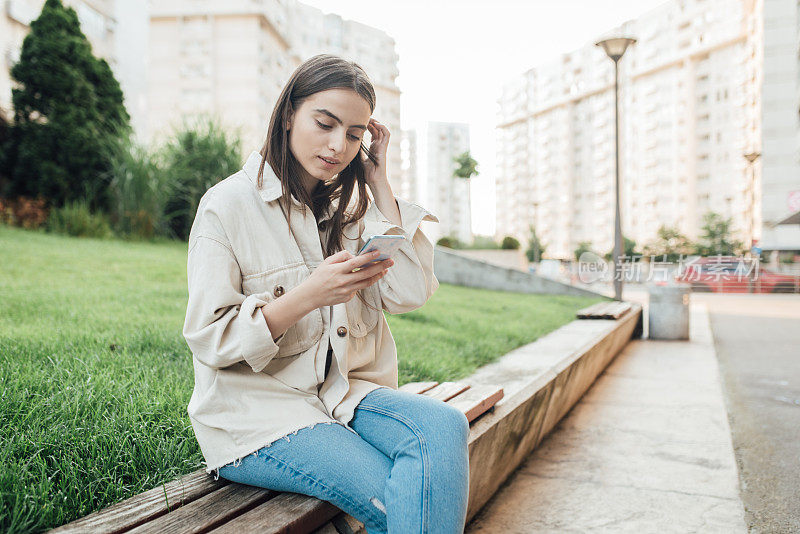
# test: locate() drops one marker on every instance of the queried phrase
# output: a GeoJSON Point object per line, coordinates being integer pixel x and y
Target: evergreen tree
{"type": "Point", "coordinates": [67, 111]}
{"type": "Point", "coordinates": [5, 140]}
{"type": "Point", "coordinates": [535, 246]}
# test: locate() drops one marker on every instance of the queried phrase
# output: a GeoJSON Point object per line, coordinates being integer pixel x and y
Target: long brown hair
{"type": "Point", "coordinates": [319, 73]}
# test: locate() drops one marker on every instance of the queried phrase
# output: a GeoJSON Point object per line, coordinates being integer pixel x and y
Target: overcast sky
{"type": "Point", "coordinates": [456, 55]}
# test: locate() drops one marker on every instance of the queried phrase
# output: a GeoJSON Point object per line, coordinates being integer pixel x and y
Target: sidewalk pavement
{"type": "Point", "coordinates": [646, 449]}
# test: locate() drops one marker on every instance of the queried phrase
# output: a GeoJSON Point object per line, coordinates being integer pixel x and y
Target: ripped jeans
{"type": "Point", "coordinates": [408, 472]}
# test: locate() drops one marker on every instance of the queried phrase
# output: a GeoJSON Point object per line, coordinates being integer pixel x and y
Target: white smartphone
{"type": "Point", "coordinates": [387, 245]}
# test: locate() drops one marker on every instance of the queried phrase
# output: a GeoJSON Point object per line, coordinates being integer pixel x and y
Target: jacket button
{"type": "Point", "coordinates": [342, 331]}
{"type": "Point", "coordinates": [278, 291]}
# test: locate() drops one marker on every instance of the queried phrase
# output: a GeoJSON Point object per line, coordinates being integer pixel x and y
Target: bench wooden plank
{"type": "Point", "coordinates": [209, 511]}
{"type": "Point", "coordinates": [585, 313]}
{"type": "Point", "coordinates": [605, 310]}
{"type": "Point", "coordinates": [327, 528]}
{"type": "Point", "coordinates": [146, 506]}
{"type": "Point", "coordinates": [417, 387]}
{"type": "Point", "coordinates": [477, 400]}
{"type": "Point", "coordinates": [287, 513]}
{"type": "Point", "coordinates": [446, 390]}
{"type": "Point", "coordinates": [601, 313]}
{"type": "Point", "coordinates": [347, 524]}
{"type": "Point", "coordinates": [618, 311]}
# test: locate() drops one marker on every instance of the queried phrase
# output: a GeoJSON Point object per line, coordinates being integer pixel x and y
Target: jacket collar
{"type": "Point", "coordinates": [271, 187]}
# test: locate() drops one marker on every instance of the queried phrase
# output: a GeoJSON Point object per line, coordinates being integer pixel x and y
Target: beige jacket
{"type": "Point", "coordinates": [250, 390]}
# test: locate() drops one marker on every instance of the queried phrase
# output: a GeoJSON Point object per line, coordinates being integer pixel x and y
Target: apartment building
{"type": "Point", "coordinates": [780, 109]}
{"type": "Point", "coordinates": [123, 46]}
{"type": "Point", "coordinates": [231, 59]}
{"type": "Point", "coordinates": [410, 183]}
{"type": "Point", "coordinates": [689, 93]}
{"type": "Point", "coordinates": [445, 195]}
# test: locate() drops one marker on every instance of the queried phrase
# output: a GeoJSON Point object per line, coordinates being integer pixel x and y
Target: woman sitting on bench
{"type": "Point", "coordinates": [281, 345]}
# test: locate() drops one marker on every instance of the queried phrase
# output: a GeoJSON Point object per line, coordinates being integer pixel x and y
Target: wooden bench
{"type": "Point", "coordinates": [605, 310]}
{"type": "Point", "coordinates": [196, 503]}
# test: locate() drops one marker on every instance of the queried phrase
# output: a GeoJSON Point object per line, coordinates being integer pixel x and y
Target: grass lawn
{"type": "Point", "coordinates": [95, 374]}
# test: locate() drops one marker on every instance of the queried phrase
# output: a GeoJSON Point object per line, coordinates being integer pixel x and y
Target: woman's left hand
{"type": "Point", "coordinates": [380, 142]}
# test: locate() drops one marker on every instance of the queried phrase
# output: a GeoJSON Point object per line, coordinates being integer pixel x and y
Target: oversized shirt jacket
{"type": "Point", "coordinates": [249, 389]}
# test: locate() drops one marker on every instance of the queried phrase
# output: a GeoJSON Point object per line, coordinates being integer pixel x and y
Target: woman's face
{"type": "Point", "coordinates": [330, 125]}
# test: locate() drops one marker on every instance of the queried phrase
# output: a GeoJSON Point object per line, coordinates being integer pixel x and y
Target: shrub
{"type": "Point", "coordinates": [451, 241]}
{"type": "Point", "coordinates": [628, 250]}
{"type": "Point", "coordinates": [483, 242]}
{"type": "Point", "coordinates": [76, 219]}
{"type": "Point", "coordinates": [198, 157]}
{"type": "Point", "coordinates": [583, 246]}
{"type": "Point", "coordinates": [509, 242]}
{"type": "Point", "coordinates": [138, 191]}
{"type": "Point", "coordinates": [26, 212]}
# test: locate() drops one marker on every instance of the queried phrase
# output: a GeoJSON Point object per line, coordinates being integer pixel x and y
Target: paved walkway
{"type": "Point", "coordinates": [647, 449]}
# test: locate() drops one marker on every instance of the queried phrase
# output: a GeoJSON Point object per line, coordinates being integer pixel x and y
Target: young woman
{"type": "Point", "coordinates": [284, 335]}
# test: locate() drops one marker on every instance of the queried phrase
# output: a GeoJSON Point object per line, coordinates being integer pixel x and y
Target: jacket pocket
{"type": "Point", "coordinates": [361, 317]}
{"type": "Point", "coordinates": [274, 283]}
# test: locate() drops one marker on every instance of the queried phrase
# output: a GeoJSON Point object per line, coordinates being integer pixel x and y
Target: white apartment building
{"type": "Point", "coordinates": [123, 46]}
{"type": "Point", "coordinates": [780, 116]}
{"type": "Point", "coordinates": [231, 58]}
{"type": "Point", "coordinates": [446, 196]}
{"type": "Point", "coordinates": [409, 183]}
{"type": "Point", "coordinates": [689, 111]}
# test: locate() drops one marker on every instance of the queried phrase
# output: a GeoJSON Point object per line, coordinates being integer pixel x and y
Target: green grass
{"type": "Point", "coordinates": [95, 375]}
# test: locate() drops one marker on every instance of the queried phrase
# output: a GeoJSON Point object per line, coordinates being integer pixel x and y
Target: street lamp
{"type": "Point", "coordinates": [751, 158]}
{"type": "Point", "coordinates": [615, 48]}
{"type": "Point", "coordinates": [536, 228]}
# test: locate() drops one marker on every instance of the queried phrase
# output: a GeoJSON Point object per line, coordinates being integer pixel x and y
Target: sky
{"type": "Point", "coordinates": [455, 56]}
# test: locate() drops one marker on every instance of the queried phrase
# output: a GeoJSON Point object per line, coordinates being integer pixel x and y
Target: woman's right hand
{"type": "Point", "coordinates": [333, 281]}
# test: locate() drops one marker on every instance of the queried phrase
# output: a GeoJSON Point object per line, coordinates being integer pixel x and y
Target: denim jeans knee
{"type": "Point", "coordinates": [427, 441]}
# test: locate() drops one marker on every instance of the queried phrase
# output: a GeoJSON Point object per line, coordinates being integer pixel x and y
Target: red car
{"type": "Point", "coordinates": [728, 274]}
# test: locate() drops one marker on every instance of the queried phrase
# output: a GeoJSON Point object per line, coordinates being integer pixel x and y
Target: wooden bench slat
{"type": "Point", "coordinates": [347, 524]}
{"type": "Point", "coordinates": [476, 400]}
{"type": "Point", "coordinates": [605, 310]}
{"type": "Point", "coordinates": [286, 513]}
{"type": "Point", "coordinates": [585, 313]}
{"type": "Point", "coordinates": [446, 390]}
{"type": "Point", "coordinates": [613, 310]}
{"type": "Point", "coordinates": [209, 511]}
{"type": "Point", "coordinates": [619, 310]}
{"type": "Point", "coordinates": [327, 528]}
{"type": "Point", "coordinates": [417, 387]}
{"type": "Point", "coordinates": [146, 506]}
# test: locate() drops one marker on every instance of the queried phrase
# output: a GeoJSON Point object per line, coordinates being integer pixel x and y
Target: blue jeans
{"type": "Point", "coordinates": [407, 470]}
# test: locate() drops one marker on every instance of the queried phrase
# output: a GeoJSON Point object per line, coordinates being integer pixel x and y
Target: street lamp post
{"type": "Point", "coordinates": [615, 48]}
{"type": "Point", "coordinates": [536, 228]}
{"type": "Point", "coordinates": [751, 158]}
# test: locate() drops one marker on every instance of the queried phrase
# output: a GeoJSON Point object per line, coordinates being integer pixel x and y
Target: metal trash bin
{"type": "Point", "coordinates": [668, 314]}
